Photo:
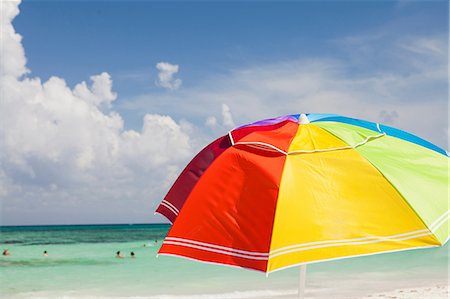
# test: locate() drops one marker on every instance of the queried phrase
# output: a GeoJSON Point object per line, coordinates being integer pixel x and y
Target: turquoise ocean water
{"type": "Point", "coordinates": [82, 264]}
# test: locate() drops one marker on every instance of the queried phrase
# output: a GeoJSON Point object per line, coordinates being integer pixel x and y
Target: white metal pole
{"type": "Point", "coordinates": [301, 285]}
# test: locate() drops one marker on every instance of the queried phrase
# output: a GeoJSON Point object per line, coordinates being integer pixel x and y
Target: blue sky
{"type": "Point", "coordinates": [75, 39]}
{"type": "Point", "coordinates": [224, 63]}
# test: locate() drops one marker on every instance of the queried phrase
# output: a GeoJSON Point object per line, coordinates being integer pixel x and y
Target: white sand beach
{"type": "Point", "coordinates": [431, 292]}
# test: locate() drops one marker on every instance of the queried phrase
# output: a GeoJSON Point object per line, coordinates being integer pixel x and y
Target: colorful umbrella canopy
{"type": "Point", "coordinates": [304, 188]}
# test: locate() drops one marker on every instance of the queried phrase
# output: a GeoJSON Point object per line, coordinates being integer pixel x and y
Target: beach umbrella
{"type": "Point", "coordinates": [307, 188]}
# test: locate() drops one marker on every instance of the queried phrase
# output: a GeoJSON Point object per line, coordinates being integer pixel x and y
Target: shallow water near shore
{"type": "Point", "coordinates": [82, 264]}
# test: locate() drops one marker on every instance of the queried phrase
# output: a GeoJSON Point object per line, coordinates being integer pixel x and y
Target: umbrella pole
{"type": "Point", "coordinates": [301, 282]}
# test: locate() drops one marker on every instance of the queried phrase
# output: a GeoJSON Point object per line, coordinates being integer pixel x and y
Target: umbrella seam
{"type": "Point", "coordinates": [216, 250]}
{"type": "Point", "coordinates": [254, 255]}
{"type": "Point", "coordinates": [231, 138]}
{"type": "Point", "coordinates": [272, 147]}
{"type": "Point", "coordinates": [169, 208]}
{"type": "Point", "coordinates": [216, 246]}
{"type": "Point", "coordinates": [199, 247]}
{"type": "Point", "coordinates": [311, 244]}
{"type": "Point", "coordinates": [438, 223]}
{"type": "Point", "coordinates": [349, 256]}
{"type": "Point", "coordinates": [262, 145]}
{"type": "Point", "coordinates": [170, 204]}
{"type": "Point", "coordinates": [350, 243]}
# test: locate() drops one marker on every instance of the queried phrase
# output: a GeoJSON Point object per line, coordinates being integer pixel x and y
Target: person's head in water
{"type": "Point", "coordinates": [45, 253]}
{"type": "Point", "coordinates": [132, 254]}
{"type": "Point", "coordinates": [6, 252]}
{"type": "Point", "coordinates": [118, 254]}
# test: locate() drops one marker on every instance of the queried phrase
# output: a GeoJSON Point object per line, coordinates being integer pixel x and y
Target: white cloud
{"type": "Point", "coordinates": [227, 117]}
{"type": "Point", "coordinates": [10, 46]}
{"type": "Point", "coordinates": [412, 85]}
{"type": "Point", "coordinates": [227, 120]}
{"type": "Point", "coordinates": [99, 93]}
{"type": "Point", "coordinates": [431, 45]}
{"type": "Point", "coordinates": [65, 151]}
{"type": "Point", "coordinates": [211, 121]}
{"type": "Point", "coordinates": [166, 75]}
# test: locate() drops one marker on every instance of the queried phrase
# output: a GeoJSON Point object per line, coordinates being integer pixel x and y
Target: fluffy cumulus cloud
{"type": "Point", "coordinates": [166, 75]}
{"type": "Point", "coordinates": [66, 156]}
{"type": "Point", "coordinates": [65, 151]}
{"type": "Point", "coordinates": [11, 42]}
{"type": "Point", "coordinates": [99, 93]}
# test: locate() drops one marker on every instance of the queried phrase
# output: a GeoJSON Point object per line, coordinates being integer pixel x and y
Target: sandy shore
{"type": "Point", "coordinates": [432, 292]}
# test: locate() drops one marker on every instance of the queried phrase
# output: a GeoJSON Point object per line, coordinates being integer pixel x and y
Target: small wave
{"type": "Point", "coordinates": [51, 243]}
{"type": "Point", "coordinates": [11, 242]}
{"type": "Point", "coordinates": [72, 242]}
{"type": "Point", "coordinates": [52, 262]}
